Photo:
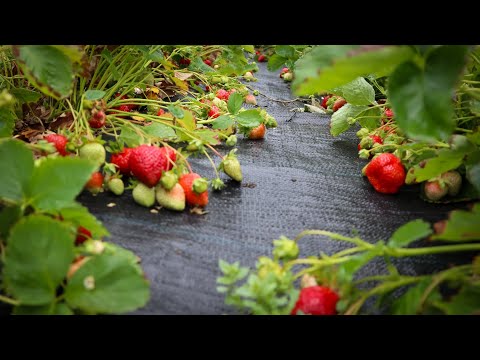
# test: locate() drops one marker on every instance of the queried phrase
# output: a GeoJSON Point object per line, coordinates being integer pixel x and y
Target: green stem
{"type": "Point", "coordinates": [9, 301]}
{"type": "Point", "coordinates": [431, 250]}
{"type": "Point", "coordinates": [357, 241]}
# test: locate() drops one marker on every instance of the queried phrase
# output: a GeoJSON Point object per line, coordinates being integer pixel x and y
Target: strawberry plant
{"type": "Point", "coordinates": [332, 284]}
{"type": "Point", "coordinates": [52, 259]}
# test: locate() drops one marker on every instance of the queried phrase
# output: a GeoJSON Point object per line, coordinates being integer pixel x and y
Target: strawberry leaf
{"type": "Point", "coordinates": [7, 122]}
{"type": "Point", "coordinates": [410, 232]}
{"type": "Point", "coordinates": [25, 96]}
{"type": "Point", "coordinates": [37, 258]}
{"type": "Point", "coordinates": [422, 97]}
{"type": "Point", "coordinates": [80, 216]}
{"type": "Point", "coordinates": [356, 92]}
{"type": "Point", "coordinates": [222, 122]}
{"type": "Point", "coordinates": [94, 94]}
{"type": "Point", "coordinates": [286, 51]}
{"type": "Point", "coordinates": [462, 225]}
{"type": "Point", "coordinates": [370, 119]}
{"type": "Point", "coordinates": [410, 303]}
{"type": "Point", "coordinates": [8, 217]}
{"type": "Point", "coordinates": [275, 62]}
{"type": "Point", "coordinates": [176, 111]}
{"type": "Point", "coordinates": [16, 168]}
{"type": "Point", "coordinates": [47, 68]}
{"type": "Point", "coordinates": [466, 302]}
{"type": "Point", "coordinates": [208, 136]}
{"type": "Point", "coordinates": [342, 119]}
{"type": "Point", "coordinates": [249, 118]}
{"type": "Point", "coordinates": [445, 161]}
{"type": "Point", "coordinates": [51, 309]}
{"type": "Point", "coordinates": [235, 102]}
{"type": "Point", "coordinates": [129, 136]}
{"type": "Point", "coordinates": [115, 286]}
{"type": "Point", "coordinates": [160, 131]}
{"type": "Point", "coordinates": [57, 181]}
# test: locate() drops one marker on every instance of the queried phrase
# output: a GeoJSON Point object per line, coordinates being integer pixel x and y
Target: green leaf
{"type": "Point", "coordinates": [472, 167]}
{"type": "Point", "coordinates": [160, 131]}
{"type": "Point", "coordinates": [47, 68]}
{"type": "Point", "coordinates": [341, 119]}
{"type": "Point", "coordinates": [25, 96]}
{"type": "Point", "coordinates": [357, 92]}
{"type": "Point", "coordinates": [249, 118]}
{"type": "Point", "coordinates": [51, 309]}
{"type": "Point", "coordinates": [249, 48]}
{"type": "Point", "coordinates": [197, 65]}
{"type": "Point", "coordinates": [80, 216]}
{"type": "Point", "coordinates": [73, 52]}
{"type": "Point", "coordinates": [130, 137]}
{"type": "Point", "coordinates": [235, 102]}
{"type": "Point", "coordinates": [7, 122]}
{"type": "Point", "coordinates": [176, 111]}
{"type": "Point", "coordinates": [370, 119]}
{"type": "Point", "coordinates": [347, 270]}
{"type": "Point", "coordinates": [116, 250]}
{"type": "Point", "coordinates": [222, 122]}
{"type": "Point", "coordinates": [461, 225]}
{"type": "Point", "coordinates": [410, 232]}
{"type": "Point", "coordinates": [410, 302]}
{"type": "Point", "coordinates": [466, 302]}
{"type": "Point", "coordinates": [94, 94]}
{"type": "Point", "coordinates": [286, 51]}
{"type": "Point", "coordinates": [445, 161]}
{"type": "Point", "coordinates": [57, 181]}
{"type": "Point", "coordinates": [16, 168]}
{"type": "Point", "coordinates": [39, 253]}
{"type": "Point", "coordinates": [117, 287]}
{"type": "Point", "coordinates": [8, 217]}
{"type": "Point", "coordinates": [275, 62]}
{"type": "Point", "coordinates": [208, 136]}
{"type": "Point", "coordinates": [422, 98]}
{"type": "Point", "coordinates": [328, 66]}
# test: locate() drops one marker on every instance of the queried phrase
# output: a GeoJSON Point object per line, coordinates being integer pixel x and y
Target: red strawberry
{"type": "Point", "coordinates": [124, 108]}
{"type": "Point", "coordinates": [122, 160]}
{"type": "Point", "coordinates": [97, 120]}
{"type": "Point", "coordinates": [386, 173]}
{"type": "Point", "coordinates": [223, 94]}
{"type": "Point", "coordinates": [168, 153]}
{"type": "Point", "coordinates": [284, 70]}
{"type": "Point", "coordinates": [59, 141]}
{"type": "Point", "coordinates": [376, 139]}
{"type": "Point", "coordinates": [147, 164]}
{"type": "Point", "coordinates": [185, 61]}
{"type": "Point", "coordinates": [434, 190]}
{"type": "Point", "coordinates": [257, 133]}
{"type": "Point", "coordinates": [214, 112]}
{"type": "Point", "coordinates": [192, 198]}
{"type": "Point", "coordinates": [316, 300]}
{"type": "Point", "coordinates": [389, 113]}
{"type": "Point", "coordinates": [262, 58]}
{"type": "Point", "coordinates": [207, 88]}
{"type": "Point", "coordinates": [338, 104]}
{"type": "Point", "coordinates": [208, 62]}
{"type": "Point", "coordinates": [324, 101]}
{"type": "Point", "coordinates": [82, 235]}
{"type": "Point", "coordinates": [95, 183]}
{"type": "Point", "coordinates": [160, 112]}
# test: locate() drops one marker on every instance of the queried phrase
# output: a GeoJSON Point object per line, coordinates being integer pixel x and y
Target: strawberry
{"type": "Point", "coordinates": [454, 182]}
{"type": "Point", "coordinates": [388, 113]}
{"type": "Point", "coordinates": [262, 58]}
{"type": "Point", "coordinates": [82, 235]}
{"type": "Point", "coordinates": [223, 94]}
{"type": "Point", "coordinates": [231, 166]}
{"type": "Point", "coordinates": [324, 101]}
{"type": "Point", "coordinates": [368, 142]}
{"type": "Point", "coordinates": [169, 180]}
{"type": "Point", "coordinates": [231, 140]}
{"type": "Point", "coordinates": [95, 183]}
{"type": "Point", "coordinates": [147, 164]}
{"type": "Point", "coordinates": [283, 71]}
{"type": "Point", "coordinates": [116, 186]}
{"type": "Point", "coordinates": [376, 139]}
{"type": "Point", "coordinates": [193, 198]}
{"type": "Point", "coordinates": [434, 190]}
{"type": "Point", "coordinates": [207, 88]}
{"type": "Point", "coordinates": [386, 173]}
{"type": "Point", "coordinates": [250, 99]}
{"type": "Point", "coordinates": [144, 195]}
{"type": "Point", "coordinates": [121, 160]}
{"type": "Point", "coordinates": [97, 120]}
{"type": "Point", "coordinates": [316, 300]}
{"type": "Point", "coordinates": [214, 112]}
{"type": "Point", "coordinates": [124, 108]}
{"type": "Point", "coordinates": [288, 76]}
{"type": "Point", "coordinates": [208, 62]}
{"type": "Point", "coordinates": [257, 133]}
{"type": "Point", "coordinates": [94, 152]}
{"type": "Point", "coordinates": [173, 199]}
{"type": "Point", "coordinates": [160, 112]}
{"type": "Point", "coordinates": [59, 141]}
{"type": "Point", "coordinates": [338, 104]}
{"type": "Point", "coordinates": [248, 76]}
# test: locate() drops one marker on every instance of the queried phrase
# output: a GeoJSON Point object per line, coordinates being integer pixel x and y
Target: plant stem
{"type": "Point", "coordinates": [9, 301]}
{"type": "Point", "coordinates": [357, 241]}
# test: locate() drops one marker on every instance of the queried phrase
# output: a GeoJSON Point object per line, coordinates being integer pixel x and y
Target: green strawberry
{"type": "Point", "coordinates": [362, 133]}
{"type": "Point", "coordinates": [116, 186]}
{"type": "Point", "coordinates": [144, 195]}
{"type": "Point", "coordinates": [231, 166]}
{"type": "Point", "coordinates": [288, 76]}
{"type": "Point", "coordinates": [173, 199]}
{"type": "Point", "coordinates": [94, 152]}
{"type": "Point", "coordinates": [168, 180]}
{"type": "Point", "coordinates": [454, 182]}
{"type": "Point", "coordinates": [231, 140]}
